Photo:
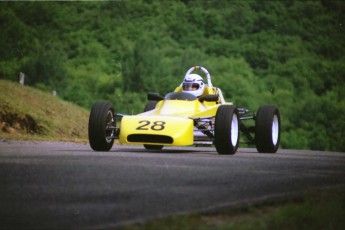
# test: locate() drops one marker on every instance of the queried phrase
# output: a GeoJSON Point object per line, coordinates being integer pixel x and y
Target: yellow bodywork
{"type": "Point", "coordinates": [177, 129]}
{"type": "Point", "coordinates": [170, 123]}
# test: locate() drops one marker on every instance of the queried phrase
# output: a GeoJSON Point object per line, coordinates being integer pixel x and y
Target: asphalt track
{"type": "Point", "coordinates": [47, 185]}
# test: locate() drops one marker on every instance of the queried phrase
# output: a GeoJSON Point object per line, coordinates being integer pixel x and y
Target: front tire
{"type": "Point", "coordinates": [101, 126]}
{"type": "Point", "coordinates": [227, 133]}
{"type": "Point", "coordinates": [267, 129]}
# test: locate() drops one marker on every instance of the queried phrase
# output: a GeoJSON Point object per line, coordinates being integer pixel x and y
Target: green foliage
{"type": "Point", "coordinates": [287, 53]}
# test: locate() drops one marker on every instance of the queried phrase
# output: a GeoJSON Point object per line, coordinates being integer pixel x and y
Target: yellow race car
{"type": "Point", "coordinates": [194, 114]}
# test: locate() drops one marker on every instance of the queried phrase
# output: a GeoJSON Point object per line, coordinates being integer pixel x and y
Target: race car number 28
{"type": "Point", "coordinates": [146, 125]}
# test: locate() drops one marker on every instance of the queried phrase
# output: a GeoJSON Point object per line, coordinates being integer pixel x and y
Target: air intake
{"type": "Point", "coordinates": [150, 138]}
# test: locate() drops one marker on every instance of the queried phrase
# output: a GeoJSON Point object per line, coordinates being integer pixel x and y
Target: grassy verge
{"type": "Point", "coordinates": [30, 114]}
{"type": "Point", "coordinates": [316, 210]}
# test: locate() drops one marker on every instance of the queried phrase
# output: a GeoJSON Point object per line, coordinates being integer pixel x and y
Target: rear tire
{"type": "Point", "coordinates": [267, 129]}
{"type": "Point", "coordinates": [101, 137]}
{"type": "Point", "coordinates": [227, 133]}
{"type": "Point", "coordinates": [150, 106]}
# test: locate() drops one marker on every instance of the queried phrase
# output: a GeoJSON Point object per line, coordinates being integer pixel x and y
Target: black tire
{"type": "Point", "coordinates": [150, 106]}
{"type": "Point", "coordinates": [267, 129]}
{"type": "Point", "coordinates": [226, 130]}
{"type": "Point", "coordinates": [102, 114]}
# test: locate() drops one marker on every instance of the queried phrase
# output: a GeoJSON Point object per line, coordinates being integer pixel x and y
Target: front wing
{"type": "Point", "coordinates": [156, 130]}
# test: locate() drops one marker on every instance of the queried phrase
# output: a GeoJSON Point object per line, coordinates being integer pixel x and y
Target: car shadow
{"type": "Point", "coordinates": [164, 151]}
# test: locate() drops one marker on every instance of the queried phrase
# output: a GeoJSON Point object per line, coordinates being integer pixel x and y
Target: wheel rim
{"type": "Point", "coordinates": [109, 131]}
{"type": "Point", "coordinates": [234, 130]}
{"type": "Point", "coordinates": [275, 130]}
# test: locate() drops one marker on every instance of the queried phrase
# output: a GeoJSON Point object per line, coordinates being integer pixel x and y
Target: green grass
{"type": "Point", "coordinates": [30, 114]}
{"type": "Point", "coordinates": [315, 210]}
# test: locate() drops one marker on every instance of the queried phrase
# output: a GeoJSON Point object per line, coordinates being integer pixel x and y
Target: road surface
{"type": "Point", "coordinates": [47, 185]}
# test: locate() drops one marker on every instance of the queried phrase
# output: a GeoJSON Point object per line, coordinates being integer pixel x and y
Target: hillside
{"type": "Point", "coordinates": [28, 113]}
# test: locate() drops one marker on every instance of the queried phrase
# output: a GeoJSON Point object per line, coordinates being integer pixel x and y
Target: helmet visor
{"type": "Point", "coordinates": [190, 86]}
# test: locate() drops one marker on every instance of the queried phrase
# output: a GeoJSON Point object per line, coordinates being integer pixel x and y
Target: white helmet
{"type": "Point", "coordinates": [193, 84]}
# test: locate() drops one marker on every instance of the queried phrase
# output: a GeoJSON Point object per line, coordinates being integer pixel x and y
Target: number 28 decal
{"type": "Point", "coordinates": [145, 125]}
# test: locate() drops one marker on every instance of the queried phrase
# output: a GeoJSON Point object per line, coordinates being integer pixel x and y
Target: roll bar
{"type": "Point", "coordinates": [208, 76]}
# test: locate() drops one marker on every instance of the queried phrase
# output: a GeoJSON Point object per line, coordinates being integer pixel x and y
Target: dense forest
{"type": "Point", "coordinates": [289, 53]}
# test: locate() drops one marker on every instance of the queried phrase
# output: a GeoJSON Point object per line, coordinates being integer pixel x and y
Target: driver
{"type": "Point", "coordinates": [193, 84]}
